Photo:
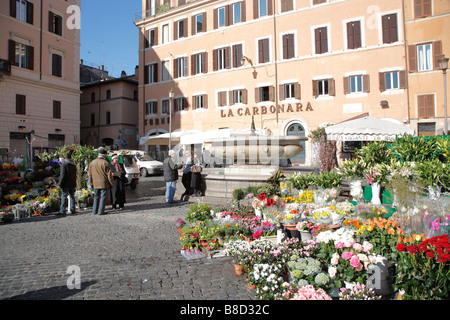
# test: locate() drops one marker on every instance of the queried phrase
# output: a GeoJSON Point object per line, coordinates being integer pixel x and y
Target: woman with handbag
{"type": "Point", "coordinates": [118, 188]}
{"type": "Point", "coordinates": [196, 178]}
{"type": "Point", "coordinates": [186, 178]}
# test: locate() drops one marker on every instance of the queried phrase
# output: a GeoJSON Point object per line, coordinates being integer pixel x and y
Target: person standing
{"type": "Point", "coordinates": [100, 178]}
{"type": "Point", "coordinates": [118, 188]}
{"type": "Point", "coordinates": [186, 178]}
{"type": "Point", "coordinates": [68, 184]}
{"type": "Point", "coordinates": [170, 176]}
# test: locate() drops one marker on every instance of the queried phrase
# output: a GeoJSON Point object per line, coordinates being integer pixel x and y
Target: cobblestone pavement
{"type": "Point", "coordinates": [132, 254]}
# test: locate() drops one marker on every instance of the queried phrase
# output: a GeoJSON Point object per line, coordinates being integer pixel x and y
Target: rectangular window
{"type": "Point", "coordinates": [199, 63]}
{"type": "Point", "coordinates": [266, 93]}
{"type": "Point", "coordinates": [425, 105]}
{"type": "Point", "coordinates": [422, 8]}
{"type": "Point", "coordinates": [237, 55]}
{"type": "Point", "coordinates": [287, 5]}
{"type": "Point", "coordinates": [92, 119]}
{"type": "Point", "coordinates": [180, 104]}
{"type": "Point", "coordinates": [54, 23]}
{"type": "Point", "coordinates": [391, 80]}
{"type": "Point", "coordinates": [238, 96]}
{"type": "Point", "coordinates": [57, 109]}
{"type": "Point", "coordinates": [354, 35]}
{"type": "Point", "coordinates": [262, 8]}
{"type": "Point", "coordinates": [426, 129]}
{"type": "Point", "coordinates": [237, 11]}
{"type": "Point", "coordinates": [323, 88]}
{"type": "Point", "coordinates": [424, 57]}
{"type": "Point", "coordinates": [108, 94]}
{"type": "Point", "coordinates": [221, 17]}
{"type": "Point", "coordinates": [321, 40]}
{"type": "Point", "coordinates": [199, 23]}
{"type": "Point", "coordinates": [390, 28]}
{"type": "Point", "coordinates": [151, 73]}
{"type": "Point", "coordinates": [165, 106]}
{"type": "Point", "coordinates": [56, 65]}
{"type": "Point", "coordinates": [289, 91]}
{"type": "Point", "coordinates": [21, 102]}
{"type": "Point", "coordinates": [150, 38]}
{"type": "Point", "coordinates": [356, 84]}
{"type": "Point", "coordinates": [222, 99]}
{"type": "Point", "coordinates": [22, 10]}
{"type": "Point", "coordinates": [221, 59]}
{"type": "Point", "coordinates": [263, 51]}
{"type": "Point", "coordinates": [318, 1]}
{"type": "Point", "coordinates": [21, 55]}
{"type": "Point", "coordinates": [180, 67]}
{"type": "Point", "coordinates": [200, 101]}
{"type": "Point", "coordinates": [151, 108]}
{"type": "Point", "coordinates": [92, 96]}
{"type": "Point", "coordinates": [165, 74]}
{"type": "Point", "coordinates": [180, 29]}
{"type": "Point", "coordinates": [288, 46]}
{"type": "Point", "coordinates": [165, 33]}
{"type": "Point", "coordinates": [108, 117]}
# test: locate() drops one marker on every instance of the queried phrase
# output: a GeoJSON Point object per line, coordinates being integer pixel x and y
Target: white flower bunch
{"type": "Point", "coordinates": [236, 247]}
{"type": "Point", "coordinates": [340, 235]}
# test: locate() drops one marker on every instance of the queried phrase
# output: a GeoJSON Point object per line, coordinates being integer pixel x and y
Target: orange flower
{"type": "Point", "coordinates": [399, 239]}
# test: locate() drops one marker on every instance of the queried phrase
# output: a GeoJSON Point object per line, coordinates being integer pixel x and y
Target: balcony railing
{"type": "Point", "coordinates": [152, 12]}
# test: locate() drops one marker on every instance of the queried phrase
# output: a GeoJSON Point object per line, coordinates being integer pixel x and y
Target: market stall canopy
{"type": "Point", "coordinates": [367, 129]}
{"type": "Point", "coordinates": [163, 139]}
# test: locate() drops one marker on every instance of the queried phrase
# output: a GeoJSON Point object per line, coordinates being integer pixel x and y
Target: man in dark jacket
{"type": "Point", "coordinates": [170, 176]}
{"type": "Point", "coordinates": [68, 184]}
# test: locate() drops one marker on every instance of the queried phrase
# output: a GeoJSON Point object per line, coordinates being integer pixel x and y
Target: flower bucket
{"type": "Point", "coordinates": [376, 190]}
{"type": "Point", "coordinates": [305, 235]}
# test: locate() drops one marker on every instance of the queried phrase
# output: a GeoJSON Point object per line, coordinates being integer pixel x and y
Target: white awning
{"type": "Point", "coordinates": [367, 129]}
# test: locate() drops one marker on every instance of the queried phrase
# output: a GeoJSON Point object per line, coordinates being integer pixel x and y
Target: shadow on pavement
{"type": "Point", "coordinates": [53, 293]}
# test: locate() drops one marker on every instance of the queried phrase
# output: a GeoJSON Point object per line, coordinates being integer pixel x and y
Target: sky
{"type": "Point", "coordinates": [109, 36]}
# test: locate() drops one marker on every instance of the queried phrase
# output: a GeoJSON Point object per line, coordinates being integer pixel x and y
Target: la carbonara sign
{"type": "Point", "coordinates": [262, 110]}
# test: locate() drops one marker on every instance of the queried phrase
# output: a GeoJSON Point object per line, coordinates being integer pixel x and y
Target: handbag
{"type": "Point", "coordinates": [196, 168]}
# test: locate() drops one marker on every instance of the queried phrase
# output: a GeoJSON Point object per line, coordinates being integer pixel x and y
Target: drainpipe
{"type": "Point", "coordinates": [408, 110]}
{"type": "Point", "coordinates": [40, 45]}
{"type": "Point", "coordinates": [276, 56]}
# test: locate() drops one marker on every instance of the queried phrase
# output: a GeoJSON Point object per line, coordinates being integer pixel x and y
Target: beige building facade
{"type": "Point", "coordinates": [427, 25]}
{"type": "Point", "coordinates": [291, 65]}
{"type": "Point", "coordinates": [109, 112]}
{"type": "Point", "coordinates": [39, 76]}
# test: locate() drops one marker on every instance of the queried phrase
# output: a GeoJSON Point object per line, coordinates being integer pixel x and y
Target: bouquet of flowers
{"type": "Point", "coordinates": [310, 293]}
{"type": "Point", "coordinates": [265, 230]}
{"type": "Point", "coordinates": [268, 280]}
{"type": "Point", "coordinates": [423, 269]}
{"type": "Point", "coordinates": [358, 291]}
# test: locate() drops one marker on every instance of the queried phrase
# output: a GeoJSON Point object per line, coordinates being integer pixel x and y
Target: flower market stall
{"type": "Point", "coordinates": [298, 238]}
{"type": "Point", "coordinates": [27, 192]}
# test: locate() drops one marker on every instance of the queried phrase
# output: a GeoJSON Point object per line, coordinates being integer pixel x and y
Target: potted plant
{"type": "Point", "coordinates": [6, 214]}
{"type": "Point", "coordinates": [198, 212]}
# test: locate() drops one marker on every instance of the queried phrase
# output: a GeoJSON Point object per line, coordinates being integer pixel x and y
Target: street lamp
{"type": "Point", "coordinates": [443, 65]}
{"type": "Point", "coordinates": [171, 93]}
